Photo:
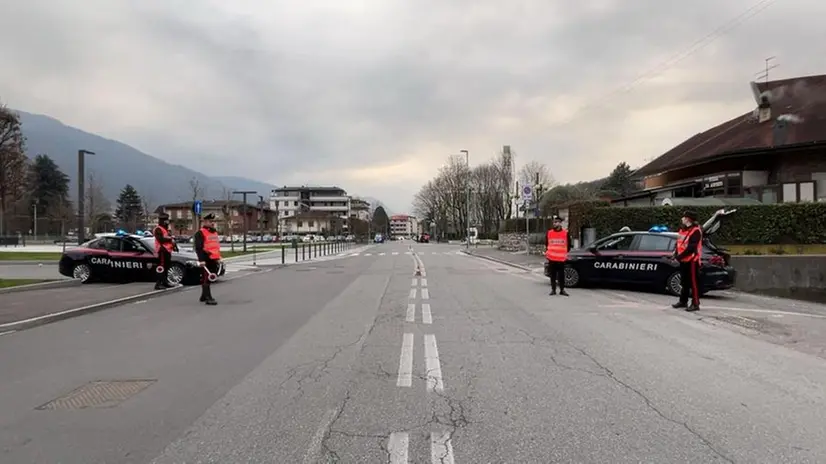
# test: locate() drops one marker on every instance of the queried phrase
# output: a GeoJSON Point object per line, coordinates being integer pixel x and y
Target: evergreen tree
{"type": "Point", "coordinates": [381, 223]}
{"type": "Point", "coordinates": [48, 190]}
{"type": "Point", "coordinates": [129, 208]}
{"type": "Point", "coordinates": [619, 181]}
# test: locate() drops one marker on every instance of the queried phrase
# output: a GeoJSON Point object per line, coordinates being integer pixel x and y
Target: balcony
{"type": "Point", "coordinates": [341, 209]}
{"type": "Point", "coordinates": [339, 198]}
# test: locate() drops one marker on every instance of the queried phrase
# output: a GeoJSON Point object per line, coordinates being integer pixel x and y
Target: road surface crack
{"type": "Point", "coordinates": [610, 374]}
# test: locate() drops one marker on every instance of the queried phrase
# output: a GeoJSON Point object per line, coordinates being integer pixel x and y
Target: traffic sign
{"type": "Point", "coordinates": [197, 206]}
{"type": "Point", "coordinates": [527, 192]}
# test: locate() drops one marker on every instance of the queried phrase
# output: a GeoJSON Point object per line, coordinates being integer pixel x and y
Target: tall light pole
{"type": "Point", "coordinates": [467, 201]}
{"type": "Point", "coordinates": [81, 195]}
{"type": "Point", "coordinates": [245, 193]}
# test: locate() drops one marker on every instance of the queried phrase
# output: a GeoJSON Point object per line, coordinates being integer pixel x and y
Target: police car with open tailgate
{"type": "Point", "coordinates": [125, 257]}
{"type": "Point", "coordinates": [644, 258]}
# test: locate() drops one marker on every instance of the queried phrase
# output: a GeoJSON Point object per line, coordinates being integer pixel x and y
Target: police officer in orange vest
{"type": "Point", "coordinates": [208, 249]}
{"type": "Point", "coordinates": [164, 246]}
{"type": "Point", "coordinates": [557, 246]}
{"type": "Point", "coordinates": [689, 253]}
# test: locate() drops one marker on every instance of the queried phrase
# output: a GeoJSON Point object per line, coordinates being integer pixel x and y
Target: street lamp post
{"type": "Point", "coordinates": [467, 201]}
{"type": "Point", "coordinates": [81, 195]}
{"type": "Point", "coordinates": [244, 193]}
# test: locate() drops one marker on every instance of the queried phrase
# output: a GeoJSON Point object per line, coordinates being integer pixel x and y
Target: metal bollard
{"type": "Point", "coordinates": [303, 253]}
{"type": "Point", "coordinates": [296, 252]}
{"type": "Point", "coordinates": [283, 255]}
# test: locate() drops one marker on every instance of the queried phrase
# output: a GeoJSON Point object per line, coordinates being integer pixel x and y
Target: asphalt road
{"type": "Point", "coordinates": [355, 360]}
{"type": "Point", "coordinates": [30, 271]}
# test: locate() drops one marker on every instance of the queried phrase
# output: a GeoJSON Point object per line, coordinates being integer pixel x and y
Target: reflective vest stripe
{"type": "Point", "coordinates": [557, 249]}
{"type": "Point", "coordinates": [168, 246]}
{"type": "Point", "coordinates": [682, 244]}
{"type": "Point", "coordinates": [212, 246]}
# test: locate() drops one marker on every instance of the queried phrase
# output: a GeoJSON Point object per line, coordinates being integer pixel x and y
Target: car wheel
{"type": "Point", "coordinates": [176, 274]}
{"type": "Point", "coordinates": [572, 278]}
{"type": "Point", "coordinates": [674, 284]}
{"type": "Point", "coordinates": [82, 272]}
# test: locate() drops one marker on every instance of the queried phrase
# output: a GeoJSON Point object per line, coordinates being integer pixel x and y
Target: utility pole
{"type": "Point", "coordinates": [467, 201]}
{"type": "Point", "coordinates": [81, 195]}
{"type": "Point", "coordinates": [36, 203]}
{"type": "Point", "coordinates": [244, 193]}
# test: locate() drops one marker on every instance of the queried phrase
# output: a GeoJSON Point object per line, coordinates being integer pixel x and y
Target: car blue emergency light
{"type": "Point", "coordinates": [121, 232]}
{"type": "Point", "coordinates": [658, 229]}
{"type": "Point", "coordinates": [138, 232]}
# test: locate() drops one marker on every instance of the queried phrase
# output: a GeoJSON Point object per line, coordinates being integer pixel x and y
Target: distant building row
{"type": "Point", "coordinates": [291, 210]}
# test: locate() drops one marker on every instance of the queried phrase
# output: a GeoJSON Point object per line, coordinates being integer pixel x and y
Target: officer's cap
{"type": "Point", "coordinates": [163, 217]}
{"type": "Point", "coordinates": [209, 217]}
{"type": "Point", "coordinates": [690, 214]}
{"type": "Point", "coordinates": [558, 218]}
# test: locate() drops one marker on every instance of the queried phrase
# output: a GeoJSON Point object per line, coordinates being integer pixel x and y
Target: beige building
{"type": "Point", "coordinates": [314, 204]}
{"type": "Point", "coordinates": [403, 225]}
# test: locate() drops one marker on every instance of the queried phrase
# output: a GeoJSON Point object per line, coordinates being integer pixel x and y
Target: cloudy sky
{"type": "Point", "coordinates": [373, 95]}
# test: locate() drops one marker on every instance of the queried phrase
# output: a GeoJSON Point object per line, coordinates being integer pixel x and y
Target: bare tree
{"type": "Point", "coordinates": [13, 162]}
{"type": "Point", "coordinates": [536, 174]}
{"type": "Point", "coordinates": [97, 205]}
{"type": "Point", "coordinates": [148, 208]}
{"type": "Point", "coordinates": [226, 209]}
{"type": "Point", "coordinates": [197, 192]}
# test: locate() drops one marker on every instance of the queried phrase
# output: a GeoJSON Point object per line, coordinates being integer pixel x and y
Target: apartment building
{"type": "Point", "coordinates": [359, 209]}
{"type": "Point", "coordinates": [402, 225]}
{"type": "Point", "coordinates": [230, 216]}
{"type": "Point", "coordinates": [321, 203]}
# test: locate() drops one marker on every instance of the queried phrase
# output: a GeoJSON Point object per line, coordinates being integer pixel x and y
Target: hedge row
{"type": "Point", "coordinates": [782, 224]}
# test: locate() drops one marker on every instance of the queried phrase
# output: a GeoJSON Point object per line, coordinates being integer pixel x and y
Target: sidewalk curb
{"type": "Point", "coordinates": [70, 313]}
{"type": "Point", "coordinates": [41, 286]}
{"type": "Point", "coordinates": [500, 261]}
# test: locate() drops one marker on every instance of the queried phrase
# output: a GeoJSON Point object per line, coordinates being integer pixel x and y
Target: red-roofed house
{"type": "Point", "coordinates": [772, 154]}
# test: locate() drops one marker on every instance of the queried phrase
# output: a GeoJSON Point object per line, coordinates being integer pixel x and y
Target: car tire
{"type": "Point", "coordinates": [82, 272]}
{"type": "Point", "coordinates": [673, 285]}
{"type": "Point", "coordinates": [176, 274]}
{"type": "Point", "coordinates": [572, 277]}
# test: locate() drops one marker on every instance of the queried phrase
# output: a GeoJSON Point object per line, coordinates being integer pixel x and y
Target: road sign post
{"type": "Point", "coordinates": [197, 208]}
{"type": "Point", "coordinates": [527, 196]}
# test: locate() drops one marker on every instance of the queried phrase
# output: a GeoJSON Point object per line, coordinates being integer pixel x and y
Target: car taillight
{"type": "Point", "coordinates": [717, 261]}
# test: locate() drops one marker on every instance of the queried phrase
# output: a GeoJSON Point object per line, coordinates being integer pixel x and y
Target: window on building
{"type": "Point", "coordinates": [789, 193]}
{"type": "Point", "coordinates": [820, 185]}
{"type": "Point", "coordinates": [295, 203]}
{"type": "Point", "coordinates": [807, 191]}
{"type": "Point", "coordinates": [310, 223]}
{"type": "Point", "coordinates": [300, 223]}
{"type": "Point", "coordinates": [734, 184]}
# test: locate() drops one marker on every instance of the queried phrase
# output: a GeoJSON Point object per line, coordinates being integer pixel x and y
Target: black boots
{"type": "Point", "coordinates": [684, 304]}
{"type": "Point", "coordinates": [206, 296]}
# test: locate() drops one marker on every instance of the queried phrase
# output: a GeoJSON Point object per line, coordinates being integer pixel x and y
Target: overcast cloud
{"type": "Point", "coordinates": [372, 95]}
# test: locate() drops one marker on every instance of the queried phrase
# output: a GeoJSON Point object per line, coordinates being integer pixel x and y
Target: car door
{"type": "Point", "coordinates": [139, 261]}
{"type": "Point", "coordinates": [648, 256]}
{"type": "Point", "coordinates": [609, 254]}
{"type": "Point", "coordinates": [97, 256]}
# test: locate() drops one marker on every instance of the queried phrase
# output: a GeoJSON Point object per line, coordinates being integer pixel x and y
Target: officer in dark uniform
{"type": "Point", "coordinates": [164, 245]}
{"type": "Point", "coordinates": [689, 253]}
{"type": "Point", "coordinates": [208, 249]}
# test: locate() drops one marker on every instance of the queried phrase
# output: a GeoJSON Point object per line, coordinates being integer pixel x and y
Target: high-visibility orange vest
{"type": "Point", "coordinates": [557, 250]}
{"type": "Point", "coordinates": [167, 245]}
{"type": "Point", "coordinates": [212, 245]}
{"type": "Point", "coordinates": [682, 244]}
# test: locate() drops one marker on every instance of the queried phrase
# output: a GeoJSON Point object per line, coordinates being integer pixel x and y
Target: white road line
{"type": "Point", "coordinates": [424, 282]}
{"type": "Point", "coordinates": [314, 450]}
{"type": "Point", "coordinates": [395, 253]}
{"type": "Point", "coordinates": [408, 252]}
{"type": "Point", "coordinates": [425, 294]}
{"type": "Point", "coordinates": [368, 254]}
{"type": "Point", "coordinates": [406, 362]}
{"type": "Point", "coordinates": [414, 282]}
{"type": "Point", "coordinates": [431, 362]}
{"type": "Point", "coordinates": [441, 451]}
{"type": "Point", "coordinates": [382, 254]}
{"type": "Point", "coordinates": [427, 318]}
{"type": "Point", "coordinates": [435, 253]}
{"type": "Point", "coordinates": [7, 332]}
{"type": "Point", "coordinates": [411, 312]}
{"type": "Point", "coordinates": [413, 293]}
{"type": "Point", "coordinates": [397, 447]}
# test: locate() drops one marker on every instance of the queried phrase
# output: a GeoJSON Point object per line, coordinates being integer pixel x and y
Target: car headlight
{"type": "Point", "coordinates": [192, 263]}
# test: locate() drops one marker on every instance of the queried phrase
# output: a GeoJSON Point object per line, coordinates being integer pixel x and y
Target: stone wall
{"type": "Point", "coordinates": [798, 276]}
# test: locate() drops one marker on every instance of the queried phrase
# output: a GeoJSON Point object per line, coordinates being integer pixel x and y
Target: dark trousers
{"type": "Point", "coordinates": [557, 274]}
{"type": "Point", "coordinates": [690, 277]}
{"type": "Point", "coordinates": [164, 259]}
{"type": "Point", "coordinates": [210, 267]}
